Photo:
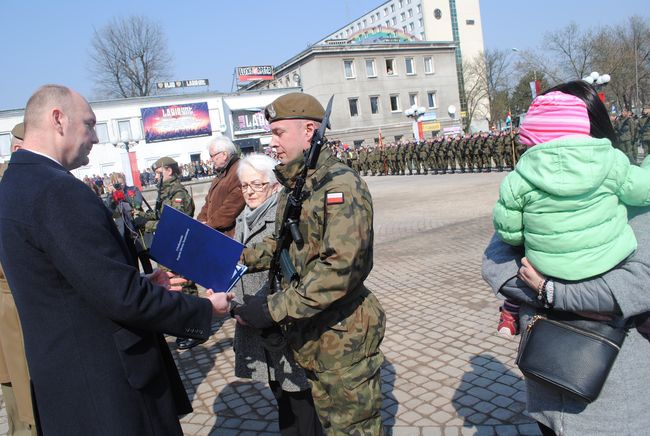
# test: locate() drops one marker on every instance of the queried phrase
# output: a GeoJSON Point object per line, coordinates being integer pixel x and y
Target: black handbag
{"type": "Point", "coordinates": [570, 353]}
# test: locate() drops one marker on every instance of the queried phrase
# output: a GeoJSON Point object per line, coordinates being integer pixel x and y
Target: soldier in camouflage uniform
{"type": "Point", "coordinates": [400, 158]}
{"type": "Point", "coordinates": [499, 152]}
{"type": "Point", "coordinates": [627, 136]}
{"type": "Point", "coordinates": [487, 144]}
{"type": "Point", "coordinates": [373, 160]}
{"type": "Point", "coordinates": [363, 160]}
{"type": "Point", "coordinates": [644, 130]}
{"type": "Point", "coordinates": [333, 323]}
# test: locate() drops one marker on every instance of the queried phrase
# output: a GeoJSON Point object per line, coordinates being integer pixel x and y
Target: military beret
{"type": "Point", "coordinates": [18, 131]}
{"type": "Point", "coordinates": [294, 106]}
{"type": "Point", "coordinates": [164, 162]}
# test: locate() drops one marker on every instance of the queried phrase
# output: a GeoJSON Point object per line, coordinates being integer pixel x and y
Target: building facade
{"type": "Point", "coordinates": [457, 21]}
{"type": "Point", "coordinates": [179, 126]}
{"type": "Point", "coordinates": [374, 84]}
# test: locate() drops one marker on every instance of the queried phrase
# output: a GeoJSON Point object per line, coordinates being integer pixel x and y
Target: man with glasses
{"type": "Point", "coordinates": [224, 201]}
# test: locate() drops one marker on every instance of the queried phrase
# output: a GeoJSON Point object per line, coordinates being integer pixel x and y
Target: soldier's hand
{"type": "Point", "coordinates": [255, 312]}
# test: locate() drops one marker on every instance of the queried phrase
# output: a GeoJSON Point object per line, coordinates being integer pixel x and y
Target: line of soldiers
{"type": "Point", "coordinates": [479, 152]}
{"type": "Point", "coordinates": [632, 132]}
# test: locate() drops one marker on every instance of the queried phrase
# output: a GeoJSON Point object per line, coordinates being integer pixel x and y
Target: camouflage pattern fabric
{"type": "Point", "coordinates": [331, 321]}
{"type": "Point", "coordinates": [626, 138]}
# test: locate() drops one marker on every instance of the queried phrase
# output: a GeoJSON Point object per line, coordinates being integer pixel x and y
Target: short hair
{"type": "Point", "coordinates": [261, 163]}
{"type": "Point", "coordinates": [600, 124]}
{"type": "Point", "coordinates": [222, 143]}
{"type": "Point", "coordinates": [44, 98]}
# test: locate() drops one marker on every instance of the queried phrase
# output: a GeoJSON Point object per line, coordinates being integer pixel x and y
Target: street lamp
{"type": "Point", "coordinates": [129, 159]}
{"type": "Point", "coordinates": [415, 112]}
{"type": "Point", "coordinates": [598, 81]}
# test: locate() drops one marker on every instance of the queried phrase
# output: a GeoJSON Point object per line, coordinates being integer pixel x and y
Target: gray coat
{"type": "Point", "coordinates": [251, 359]}
{"type": "Point", "coordinates": [622, 407]}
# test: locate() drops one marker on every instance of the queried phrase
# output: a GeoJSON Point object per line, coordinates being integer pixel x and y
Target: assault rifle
{"type": "Point", "coordinates": [281, 264]}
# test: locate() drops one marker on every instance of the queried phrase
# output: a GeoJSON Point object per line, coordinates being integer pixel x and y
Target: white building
{"type": "Point", "coordinates": [453, 21]}
{"type": "Point", "coordinates": [179, 126]}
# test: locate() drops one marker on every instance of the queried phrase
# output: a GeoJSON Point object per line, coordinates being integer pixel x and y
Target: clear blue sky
{"type": "Point", "coordinates": [45, 41]}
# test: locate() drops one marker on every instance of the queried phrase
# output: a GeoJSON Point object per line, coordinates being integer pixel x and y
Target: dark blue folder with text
{"type": "Point", "coordinates": [196, 251]}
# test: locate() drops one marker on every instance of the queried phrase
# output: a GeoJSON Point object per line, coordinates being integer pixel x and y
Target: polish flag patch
{"type": "Point", "coordinates": [178, 200]}
{"type": "Point", "coordinates": [334, 198]}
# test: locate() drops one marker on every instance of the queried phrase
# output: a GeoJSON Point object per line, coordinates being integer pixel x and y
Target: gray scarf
{"type": "Point", "coordinates": [253, 216]}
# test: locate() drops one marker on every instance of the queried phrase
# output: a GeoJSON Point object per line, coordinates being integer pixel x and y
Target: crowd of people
{"type": "Point", "coordinates": [93, 323]}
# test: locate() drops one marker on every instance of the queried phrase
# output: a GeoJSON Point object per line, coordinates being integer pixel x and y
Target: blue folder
{"type": "Point", "coordinates": [196, 251]}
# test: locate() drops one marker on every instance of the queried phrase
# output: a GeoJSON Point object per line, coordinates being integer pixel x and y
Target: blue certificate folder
{"type": "Point", "coordinates": [196, 251]}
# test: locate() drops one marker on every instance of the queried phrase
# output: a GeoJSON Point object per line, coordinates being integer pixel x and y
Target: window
{"type": "Point", "coordinates": [354, 106]}
{"type": "Point", "coordinates": [392, 8]}
{"type": "Point", "coordinates": [385, 11]}
{"type": "Point", "coordinates": [410, 66]}
{"type": "Point", "coordinates": [469, 22]}
{"type": "Point", "coordinates": [102, 133]}
{"type": "Point", "coordinates": [349, 69]}
{"type": "Point", "coordinates": [419, 9]}
{"type": "Point", "coordinates": [428, 65]}
{"type": "Point", "coordinates": [398, 138]}
{"type": "Point", "coordinates": [413, 99]}
{"type": "Point", "coordinates": [370, 68]}
{"type": "Point", "coordinates": [402, 16]}
{"type": "Point", "coordinates": [404, 29]}
{"type": "Point", "coordinates": [411, 26]}
{"type": "Point", "coordinates": [401, 3]}
{"type": "Point", "coordinates": [431, 98]}
{"type": "Point", "coordinates": [410, 12]}
{"type": "Point", "coordinates": [358, 143]}
{"type": "Point", "coordinates": [394, 20]}
{"type": "Point", "coordinates": [124, 127]}
{"type": "Point", "coordinates": [387, 23]}
{"type": "Point", "coordinates": [5, 144]}
{"type": "Point", "coordinates": [374, 104]}
{"type": "Point", "coordinates": [372, 18]}
{"type": "Point", "coordinates": [390, 67]}
{"type": "Point", "coordinates": [364, 23]}
{"type": "Point", "coordinates": [420, 22]}
{"type": "Point", "coordinates": [394, 103]}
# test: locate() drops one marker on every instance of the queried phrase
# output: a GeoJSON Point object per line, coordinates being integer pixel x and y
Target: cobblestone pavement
{"type": "Point", "coordinates": [446, 372]}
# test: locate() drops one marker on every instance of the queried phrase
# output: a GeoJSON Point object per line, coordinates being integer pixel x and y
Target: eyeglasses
{"type": "Point", "coordinates": [212, 155]}
{"type": "Point", "coordinates": [255, 186]}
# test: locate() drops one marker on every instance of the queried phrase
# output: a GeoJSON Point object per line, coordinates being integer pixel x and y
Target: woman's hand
{"type": "Point", "coordinates": [530, 275]}
{"type": "Point", "coordinates": [160, 278]}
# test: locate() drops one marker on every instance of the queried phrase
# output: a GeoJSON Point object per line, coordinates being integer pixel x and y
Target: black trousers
{"type": "Point", "coordinates": [297, 415]}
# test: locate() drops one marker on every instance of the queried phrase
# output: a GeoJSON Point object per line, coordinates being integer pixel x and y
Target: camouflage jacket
{"type": "Point", "coordinates": [173, 194]}
{"type": "Point", "coordinates": [627, 129]}
{"type": "Point", "coordinates": [644, 128]}
{"type": "Point", "coordinates": [330, 319]}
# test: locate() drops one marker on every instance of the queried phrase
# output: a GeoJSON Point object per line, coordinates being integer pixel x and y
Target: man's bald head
{"type": "Point", "coordinates": [60, 123]}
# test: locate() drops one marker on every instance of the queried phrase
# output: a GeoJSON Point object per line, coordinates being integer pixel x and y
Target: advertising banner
{"type": "Point", "coordinates": [165, 123]}
{"type": "Point", "coordinates": [256, 72]}
{"type": "Point", "coordinates": [182, 83]}
{"type": "Point", "coordinates": [245, 122]}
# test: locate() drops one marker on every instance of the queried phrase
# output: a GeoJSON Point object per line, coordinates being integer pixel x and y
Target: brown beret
{"type": "Point", "coordinates": [294, 106]}
{"type": "Point", "coordinates": [164, 162]}
{"type": "Point", "coordinates": [18, 131]}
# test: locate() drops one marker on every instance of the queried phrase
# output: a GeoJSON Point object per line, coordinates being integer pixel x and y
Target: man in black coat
{"type": "Point", "coordinates": [92, 324]}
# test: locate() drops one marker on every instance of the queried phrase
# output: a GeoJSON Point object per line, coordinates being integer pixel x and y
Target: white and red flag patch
{"type": "Point", "coordinates": [334, 198]}
{"type": "Point", "coordinates": [178, 200]}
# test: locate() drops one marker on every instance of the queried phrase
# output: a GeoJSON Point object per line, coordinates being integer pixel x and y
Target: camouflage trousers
{"type": "Point", "coordinates": [348, 400]}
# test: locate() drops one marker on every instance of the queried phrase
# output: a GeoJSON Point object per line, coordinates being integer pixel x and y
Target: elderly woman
{"type": "Point", "coordinates": [620, 293]}
{"type": "Point", "coordinates": [286, 379]}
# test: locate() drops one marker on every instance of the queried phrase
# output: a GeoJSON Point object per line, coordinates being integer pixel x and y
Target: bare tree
{"type": "Point", "coordinates": [128, 57]}
{"type": "Point", "coordinates": [486, 81]}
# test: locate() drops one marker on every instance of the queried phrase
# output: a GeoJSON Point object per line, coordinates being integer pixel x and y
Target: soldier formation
{"type": "Point", "coordinates": [478, 152]}
{"type": "Point", "coordinates": [632, 132]}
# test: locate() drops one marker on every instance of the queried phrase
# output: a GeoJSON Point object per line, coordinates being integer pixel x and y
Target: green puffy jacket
{"type": "Point", "coordinates": [565, 202]}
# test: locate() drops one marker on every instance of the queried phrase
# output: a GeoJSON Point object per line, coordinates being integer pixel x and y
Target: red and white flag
{"type": "Point", "coordinates": [334, 198]}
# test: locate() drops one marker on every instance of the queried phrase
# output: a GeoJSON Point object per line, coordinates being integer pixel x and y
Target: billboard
{"type": "Point", "coordinates": [165, 123]}
{"type": "Point", "coordinates": [257, 72]}
{"type": "Point", "coordinates": [245, 122]}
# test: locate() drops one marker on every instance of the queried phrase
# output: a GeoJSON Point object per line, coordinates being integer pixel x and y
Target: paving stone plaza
{"type": "Point", "coordinates": [446, 371]}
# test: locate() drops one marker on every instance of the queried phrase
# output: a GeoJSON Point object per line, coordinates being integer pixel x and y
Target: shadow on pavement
{"type": "Point", "coordinates": [390, 403]}
{"type": "Point", "coordinates": [490, 395]}
{"type": "Point", "coordinates": [245, 406]}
